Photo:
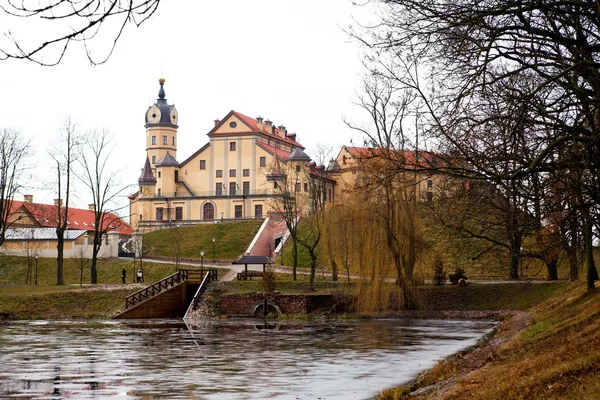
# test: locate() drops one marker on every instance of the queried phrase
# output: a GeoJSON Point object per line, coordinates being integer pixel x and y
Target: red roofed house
{"type": "Point", "coordinates": [227, 178]}
{"type": "Point", "coordinates": [32, 226]}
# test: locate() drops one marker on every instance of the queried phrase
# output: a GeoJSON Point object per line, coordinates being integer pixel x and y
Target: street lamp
{"type": "Point", "coordinates": [213, 240]}
{"type": "Point", "coordinates": [36, 269]}
{"type": "Point", "coordinates": [202, 265]}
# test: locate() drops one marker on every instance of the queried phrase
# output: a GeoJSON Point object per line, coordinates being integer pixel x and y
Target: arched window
{"type": "Point", "coordinates": [208, 211]}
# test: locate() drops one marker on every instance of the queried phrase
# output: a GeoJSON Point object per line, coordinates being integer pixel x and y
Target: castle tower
{"type": "Point", "coordinates": [161, 128]}
{"type": "Point", "coordinates": [143, 210]}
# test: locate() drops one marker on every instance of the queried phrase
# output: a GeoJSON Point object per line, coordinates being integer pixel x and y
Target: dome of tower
{"type": "Point", "coordinates": [162, 113]}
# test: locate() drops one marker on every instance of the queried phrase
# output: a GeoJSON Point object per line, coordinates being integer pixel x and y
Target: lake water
{"type": "Point", "coordinates": [230, 359]}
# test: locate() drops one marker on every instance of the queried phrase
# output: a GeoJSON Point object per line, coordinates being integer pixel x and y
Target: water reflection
{"type": "Point", "coordinates": [234, 359]}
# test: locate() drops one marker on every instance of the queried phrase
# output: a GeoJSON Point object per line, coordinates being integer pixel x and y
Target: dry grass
{"type": "Point", "coordinates": [555, 356]}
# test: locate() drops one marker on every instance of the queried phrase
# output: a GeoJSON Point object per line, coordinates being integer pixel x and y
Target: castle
{"type": "Point", "coordinates": [234, 176]}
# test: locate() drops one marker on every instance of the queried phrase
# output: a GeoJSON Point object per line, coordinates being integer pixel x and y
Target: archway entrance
{"type": "Point", "coordinates": [208, 211]}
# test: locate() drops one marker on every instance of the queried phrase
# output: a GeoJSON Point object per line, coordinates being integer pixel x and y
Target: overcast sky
{"type": "Point", "coordinates": [287, 61]}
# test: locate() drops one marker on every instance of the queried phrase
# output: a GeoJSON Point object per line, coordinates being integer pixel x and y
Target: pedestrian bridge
{"type": "Point", "coordinates": [168, 298]}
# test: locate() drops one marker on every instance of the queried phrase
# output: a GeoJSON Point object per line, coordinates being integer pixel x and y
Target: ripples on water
{"type": "Point", "coordinates": [234, 359]}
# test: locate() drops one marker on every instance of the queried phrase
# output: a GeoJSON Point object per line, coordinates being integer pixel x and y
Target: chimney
{"type": "Point", "coordinates": [259, 119]}
{"type": "Point", "coordinates": [281, 131]}
{"type": "Point", "coordinates": [28, 198]}
{"type": "Point", "coordinates": [269, 125]}
{"type": "Point", "coordinates": [56, 202]}
{"type": "Point", "coordinates": [92, 207]}
{"type": "Point", "coordinates": [259, 122]}
{"type": "Point", "coordinates": [217, 122]}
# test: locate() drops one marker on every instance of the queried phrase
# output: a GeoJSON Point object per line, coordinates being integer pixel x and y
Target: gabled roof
{"type": "Point", "coordinates": [281, 154]}
{"type": "Point", "coordinates": [79, 219]}
{"type": "Point", "coordinates": [253, 126]}
{"type": "Point", "coordinates": [167, 161]}
{"type": "Point", "coordinates": [190, 158]}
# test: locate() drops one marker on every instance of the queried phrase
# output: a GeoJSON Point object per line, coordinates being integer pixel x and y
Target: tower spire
{"type": "Point", "coordinates": [147, 177]}
{"type": "Point", "coordinates": [161, 91]}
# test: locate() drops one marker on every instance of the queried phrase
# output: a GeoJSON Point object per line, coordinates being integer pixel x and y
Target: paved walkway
{"type": "Point", "coordinates": [231, 275]}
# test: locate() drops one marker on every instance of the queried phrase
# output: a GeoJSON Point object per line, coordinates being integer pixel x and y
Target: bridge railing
{"type": "Point", "coordinates": [210, 276]}
{"type": "Point", "coordinates": [165, 284]}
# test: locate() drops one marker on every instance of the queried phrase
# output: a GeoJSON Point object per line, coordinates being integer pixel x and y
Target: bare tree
{"type": "Point", "coordinates": [62, 23]}
{"type": "Point", "coordinates": [286, 203]}
{"type": "Point", "coordinates": [299, 186]}
{"type": "Point", "coordinates": [468, 49]}
{"type": "Point", "coordinates": [102, 183]}
{"type": "Point", "coordinates": [81, 260]}
{"type": "Point", "coordinates": [14, 153]}
{"type": "Point", "coordinates": [64, 160]}
{"type": "Point", "coordinates": [32, 249]}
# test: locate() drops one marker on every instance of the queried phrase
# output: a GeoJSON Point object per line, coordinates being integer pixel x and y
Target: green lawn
{"type": "Point", "coordinates": [231, 240]}
{"type": "Point", "coordinates": [13, 271]}
{"type": "Point", "coordinates": [60, 302]}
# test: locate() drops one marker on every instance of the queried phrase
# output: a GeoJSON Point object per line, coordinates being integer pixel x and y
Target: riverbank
{"type": "Point", "coordinates": [63, 302]}
{"type": "Point", "coordinates": [474, 301]}
{"type": "Point", "coordinates": [551, 351]}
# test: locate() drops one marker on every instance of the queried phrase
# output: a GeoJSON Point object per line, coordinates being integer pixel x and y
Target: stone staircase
{"type": "Point", "coordinates": [264, 245]}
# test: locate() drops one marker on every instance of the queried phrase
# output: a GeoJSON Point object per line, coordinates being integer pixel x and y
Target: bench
{"type": "Point", "coordinates": [242, 276]}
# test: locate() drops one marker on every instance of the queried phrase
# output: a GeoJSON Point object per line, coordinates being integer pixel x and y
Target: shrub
{"type": "Point", "coordinates": [269, 281]}
{"type": "Point", "coordinates": [458, 274]}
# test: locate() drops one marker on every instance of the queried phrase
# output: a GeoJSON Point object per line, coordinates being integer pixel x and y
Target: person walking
{"type": "Point", "coordinates": [123, 275]}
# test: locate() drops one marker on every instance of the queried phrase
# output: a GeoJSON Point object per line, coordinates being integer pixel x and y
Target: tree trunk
{"type": "Point", "coordinates": [514, 264]}
{"type": "Point", "coordinates": [59, 259]}
{"type": "Point", "coordinates": [294, 257]}
{"type": "Point", "coordinates": [592, 273]}
{"type": "Point", "coordinates": [573, 265]}
{"type": "Point", "coordinates": [97, 244]}
{"type": "Point", "coordinates": [552, 266]}
{"type": "Point", "coordinates": [313, 269]}
{"type": "Point", "coordinates": [334, 270]}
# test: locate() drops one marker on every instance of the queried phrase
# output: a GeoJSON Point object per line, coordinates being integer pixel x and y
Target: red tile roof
{"type": "Point", "coordinates": [45, 215]}
{"type": "Point", "coordinates": [281, 154]}
{"type": "Point", "coordinates": [410, 158]}
{"type": "Point", "coordinates": [254, 128]}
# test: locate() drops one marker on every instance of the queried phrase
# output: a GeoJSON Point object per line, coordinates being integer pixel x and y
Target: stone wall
{"type": "Point", "coordinates": [244, 304]}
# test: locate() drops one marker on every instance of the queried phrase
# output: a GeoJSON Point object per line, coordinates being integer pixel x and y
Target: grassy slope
{"type": "Point", "coordinates": [13, 271]}
{"type": "Point", "coordinates": [52, 302]}
{"type": "Point", "coordinates": [557, 356]}
{"type": "Point", "coordinates": [232, 240]}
